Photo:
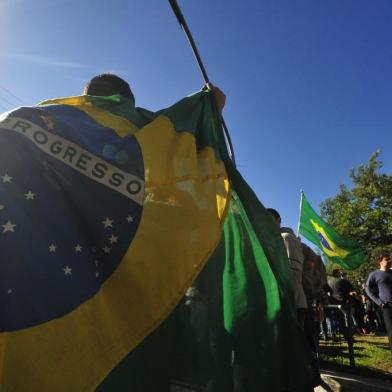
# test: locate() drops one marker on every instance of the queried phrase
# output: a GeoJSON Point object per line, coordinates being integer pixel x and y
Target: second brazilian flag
{"type": "Point", "coordinates": [339, 249]}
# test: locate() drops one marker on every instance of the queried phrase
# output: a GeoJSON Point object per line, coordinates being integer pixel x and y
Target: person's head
{"type": "Point", "coordinates": [275, 214]}
{"type": "Point", "coordinates": [108, 84]}
{"type": "Point", "coordinates": [384, 260]}
{"type": "Point", "coordinates": [337, 273]}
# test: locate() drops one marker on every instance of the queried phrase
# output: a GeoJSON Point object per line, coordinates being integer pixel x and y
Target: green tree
{"type": "Point", "coordinates": [363, 213]}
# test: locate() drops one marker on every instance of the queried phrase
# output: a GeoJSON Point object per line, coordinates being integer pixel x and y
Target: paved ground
{"type": "Point", "coordinates": [333, 382]}
{"type": "Point", "coordinates": [344, 382]}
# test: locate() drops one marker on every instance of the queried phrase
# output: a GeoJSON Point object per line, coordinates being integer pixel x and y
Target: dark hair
{"type": "Point", "coordinates": [274, 213]}
{"type": "Point", "coordinates": [108, 84]}
{"type": "Point", "coordinates": [382, 254]}
{"type": "Point", "coordinates": [337, 273]}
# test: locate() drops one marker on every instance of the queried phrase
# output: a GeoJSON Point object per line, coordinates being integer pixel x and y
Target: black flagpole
{"type": "Point", "coordinates": [184, 26]}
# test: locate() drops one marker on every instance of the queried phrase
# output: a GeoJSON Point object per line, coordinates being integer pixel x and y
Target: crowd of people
{"type": "Point", "coordinates": [331, 307]}
{"type": "Point", "coordinates": [365, 315]}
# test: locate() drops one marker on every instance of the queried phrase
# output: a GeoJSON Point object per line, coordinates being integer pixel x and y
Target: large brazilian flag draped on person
{"type": "Point", "coordinates": [108, 213]}
{"type": "Point", "coordinates": [339, 249]}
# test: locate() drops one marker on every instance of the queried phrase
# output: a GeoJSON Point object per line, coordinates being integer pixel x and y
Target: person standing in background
{"type": "Point", "coordinates": [379, 289]}
{"type": "Point", "coordinates": [296, 260]}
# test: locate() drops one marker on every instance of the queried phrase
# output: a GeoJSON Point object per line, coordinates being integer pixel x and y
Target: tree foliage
{"type": "Point", "coordinates": [363, 212]}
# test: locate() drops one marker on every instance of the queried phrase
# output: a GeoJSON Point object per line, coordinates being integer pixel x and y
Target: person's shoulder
{"type": "Point", "coordinates": [290, 237]}
{"type": "Point", "coordinates": [287, 232]}
{"type": "Point", "coordinates": [373, 274]}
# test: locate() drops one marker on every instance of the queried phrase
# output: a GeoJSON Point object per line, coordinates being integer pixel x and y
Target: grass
{"type": "Point", "coordinates": [372, 356]}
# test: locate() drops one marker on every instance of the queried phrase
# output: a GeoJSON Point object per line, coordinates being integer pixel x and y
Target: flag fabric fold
{"type": "Point", "coordinates": [339, 249]}
{"type": "Point", "coordinates": [107, 215]}
{"type": "Point", "coordinates": [258, 300]}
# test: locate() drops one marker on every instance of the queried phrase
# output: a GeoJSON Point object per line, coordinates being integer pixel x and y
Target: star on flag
{"type": "Point", "coordinates": [113, 239]}
{"type": "Point", "coordinates": [6, 178]}
{"type": "Point", "coordinates": [78, 248]}
{"type": "Point", "coordinates": [48, 122]}
{"type": "Point", "coordinates": [52, 248]}
{"type": "Point", "coordinates": [30, 195]}
{"type": "Point", "coordinates": [107, 222]}
{"type": "Point", "coordinates": [9, 226]}
{"type": "Point", "coordinates": [67, 270]}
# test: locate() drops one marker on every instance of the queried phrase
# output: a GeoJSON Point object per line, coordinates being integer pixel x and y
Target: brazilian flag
{"type": "Point", "coordinates": [108, 214]}
{"type": "Point", "coordinates": [339, 249]}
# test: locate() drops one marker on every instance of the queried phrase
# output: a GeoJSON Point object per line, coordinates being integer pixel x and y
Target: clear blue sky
{"type": "Point", "coordinates": [308, 82]}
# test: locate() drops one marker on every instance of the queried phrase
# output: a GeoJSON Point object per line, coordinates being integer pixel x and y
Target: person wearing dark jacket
{"type": "Point", "coordinates": [342, 291]}
{"type": "Point", "coordinates": [379, 289]}
{"type": "Point", "coordinates": [341, 287]}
